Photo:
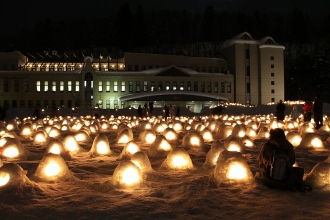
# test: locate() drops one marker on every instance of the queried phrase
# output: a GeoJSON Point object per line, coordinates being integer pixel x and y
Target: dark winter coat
{"type": "Point", "coordinates": [264, 162]}
{"type": "Point", "coordinates": [280, 108]}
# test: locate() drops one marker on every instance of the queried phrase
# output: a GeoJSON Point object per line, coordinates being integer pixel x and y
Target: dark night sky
{"type": "Point", "coordinates": [16, 15]}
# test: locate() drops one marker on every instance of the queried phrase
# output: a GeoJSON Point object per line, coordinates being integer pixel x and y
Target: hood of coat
{"type": "Point", "coordinates": [282, 143]}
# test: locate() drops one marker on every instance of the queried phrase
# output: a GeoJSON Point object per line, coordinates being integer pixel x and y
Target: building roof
{"type": "Point", "coordinates": [172, 96]}
{"type": "Point", "coordinates": [246, 38]}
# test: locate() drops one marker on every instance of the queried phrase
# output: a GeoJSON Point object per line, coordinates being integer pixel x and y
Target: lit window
{"type": "Point", "coordinates": [123, 86]}
{"type": "Point", "coordinates": [69, 86]}
{"type": "Point", "coordinates": [145, 86]}
{"type": "Point", "coordinates": [181, 86]}
{"type": "Point", "coordinates": [61, 86]}
{"type": "Point", "coordinates": [46, 86]}
{"type": "Point", "coordinates": [152, 86]}
{"type": "Point", "coordinates": [77, 86]}
{"type": "Point", "coordinates": [107, 86]}
{"type": "Point", "coordinates": [38, 86]}
{"type": "Point", "coordinates": [174, 85]}
{"type": "Point", "coordinates": [167, 87]}
{"type": "Point", "coordinates": [100, 86]}
{"type": "Point", "coordinates": [115, 86]}
{"type": "Point", "coordinates": [54, 86]}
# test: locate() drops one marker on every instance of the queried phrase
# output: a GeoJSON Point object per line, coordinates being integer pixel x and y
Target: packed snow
{"type": "Point", "coordinates": [107, 164]}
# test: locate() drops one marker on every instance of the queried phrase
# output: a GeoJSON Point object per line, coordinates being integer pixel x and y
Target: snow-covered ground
{"type": "Point", "coordinates": [89, 186]}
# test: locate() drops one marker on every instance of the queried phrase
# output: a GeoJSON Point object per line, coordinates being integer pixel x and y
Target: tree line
{"type": "Point", "coordinates": [192, 34]}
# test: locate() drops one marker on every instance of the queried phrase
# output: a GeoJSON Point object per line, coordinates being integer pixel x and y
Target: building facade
{"type": "Point", "coordinates": [246, 75]}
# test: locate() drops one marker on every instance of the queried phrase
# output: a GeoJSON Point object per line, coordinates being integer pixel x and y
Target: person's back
{"type": "Point", "coordinates": [307, 107]}
{"type": "Point", "coordinates": [280, 108]}
{"type": "Point", "coordinates": [277, 142]}
{"type": "Point", "coordinates": [318, 111]}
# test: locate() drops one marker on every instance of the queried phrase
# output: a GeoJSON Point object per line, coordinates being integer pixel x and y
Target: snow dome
{"type": "Point", "coordinates": [56, 146]}
{"type": "Point", "coordinates": [52, 168]}
{"type": "Point", "coordinates": [178, 159]}
{"type": "Point", "coordinates": [319, 177]}
{"type": "Point", "coordinates": [294, 138]}
{"type": "Point", "coordinates": [231, 168]}
{"type": "Point", "coordinates": [147, 136]}
{"type": "Point", "coordinates": [160, 147]}
{"type": "Point", "coordinates": [212, 155]}
{"type": "Point", "coordinates": [170, 135]}
{"type": "Point", "coordinates": [126, 174]}
{"type": "Point", "coordinates": [233, 144]}
{"type": "Point", "coordinates": [40, 137]}
{"type": "Point", "coordinates": [83, 137]}
{"type": "Point", "coordinates": [207, 135]}
{"type": "Point", "coordinates": [71, 145]}
{"type": "Point", "coordinates": [263, 133]}
{"type": "Point", "coordinates": [238, 131]}
{"type": "Point", "coordinates": [225, 131]}
{"type": "Point", "coordinates": [100, 146]}
{"type": "Point", "coordinates": [130, 148]}
{"type": "Point", "coordinates": [141, 160]}
{"type": "Point", "coordinates": [125, 136]}
{"type": "Point", "coordinates": [12, 176]}
{"type": "Point", "coordinates": [13, 149]}
{"type": "Point", "coordinates": [193, 140]}
{"type": "Point", "coordinates": [26, 130]}
{"type": "Point", "coordinates": [311, 140]}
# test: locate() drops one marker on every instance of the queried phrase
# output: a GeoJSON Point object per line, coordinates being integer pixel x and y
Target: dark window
{"type": "Point", "coordinates": [138, 89]}
{"type": "Point", "coordinates": [129, 68]}
{"type": "Point", "coordinates": [247, 53]}
{"type": "Point", "coordinates": [272, 82]}
{"type": "Point", "coordinates": [272, 74]}
{"type": "Point", "coordinates": [209, 85]}
{"type": "Point", "coordinates": [130, 86]}
{"type": "Point", "coordinates": [273, 91]}
{"type": "Point", "coordinates": [196, 86]}
{"type": "Point", "coordinates": [272, 66]}
{"type": "Point", "coordinates": [22, 104]}
{"type": "Point", "coordinates": [136, 68]}
{"type": "Point", "coordinates": [14, 103]}
{"type": "Point", "coordinates": [271, 57]}
{"type": "Point", "coordinates": [203, 87]}
{"type": "Point", "coordinates": [215, 86]}
{"type": "Point", "coordinates": [248, 71]}
{"type": "Point", "coordinates": [160, 86]}
{"type": "Point", "coordinates": [248, 88]}
{"type": "Point", "coordinates": [5, 85]}
{"type": "Point", "coordinates": [30, 104]}
{"type": "Point", "coordinates": [189, 86]}
{"type": "Point", "coordinates": [222, 87]}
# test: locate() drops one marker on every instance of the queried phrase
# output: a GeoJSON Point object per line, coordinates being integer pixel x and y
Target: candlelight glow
{"type": "Point", "coordinates": [4, 178]}
{"type": "Point", "coordinates": [10, 152]}
{"type": "Point", "coordinates": [52, 169]}
{"type": "Point", "coordinates": [236, 171]}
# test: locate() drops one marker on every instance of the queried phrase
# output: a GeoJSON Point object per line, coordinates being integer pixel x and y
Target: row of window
{"type": "Point", "coordinates": [37, 103]}
{"type": "Point", "coordinates": [70, 86]}
{"type": "Point", "coordinates": [174, 86]}
{"type": "Point", "coordinates": [210, 69]}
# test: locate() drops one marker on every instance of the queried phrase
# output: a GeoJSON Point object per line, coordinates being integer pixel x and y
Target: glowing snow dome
{"type": "Point", "coordinates": [52, 168]}
{"type": "Point", "coordinates": [319, 177]}
{"type": "Point", "coordinates": [127, 174]}
{"type": "Point", "coordinates": [178, 159]}
{"type": "Point", "coordinates": [231, 168]}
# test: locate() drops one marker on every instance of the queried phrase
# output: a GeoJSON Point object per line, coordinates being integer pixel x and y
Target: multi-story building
{"type": "Point", "coordinates": [252, 72]}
